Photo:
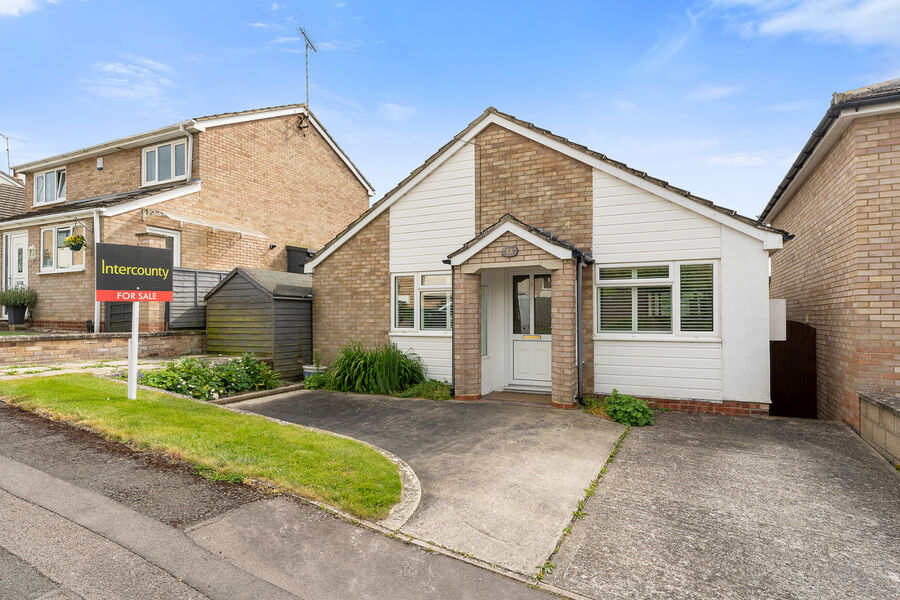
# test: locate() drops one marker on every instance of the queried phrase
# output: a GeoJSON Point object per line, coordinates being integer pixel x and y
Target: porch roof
{"type": "Point", "coordinates": [508, 223]}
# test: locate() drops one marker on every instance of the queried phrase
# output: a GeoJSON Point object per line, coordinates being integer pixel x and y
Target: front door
{"type": "Point", "coordinates": [15, 268]}
{"type": "Point", "coordinates": [531, 333]}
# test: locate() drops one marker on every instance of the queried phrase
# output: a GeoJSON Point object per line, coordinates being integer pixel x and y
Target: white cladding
{"type": "Point", "coordinates": [433, 350]}
{"type": "Point", "coordinates": [436, 217]}
{"type": "Point", "coordinates": [429, 222]}
{"type": "Point", "coordinates": [633, 225]}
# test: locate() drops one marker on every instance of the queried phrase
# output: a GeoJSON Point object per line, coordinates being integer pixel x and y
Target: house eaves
{"type": "Point", "coordinates": [845, 108]}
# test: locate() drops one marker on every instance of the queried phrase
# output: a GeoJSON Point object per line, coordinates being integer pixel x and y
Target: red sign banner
{"type": "Point", "coordinates": [132, 296]}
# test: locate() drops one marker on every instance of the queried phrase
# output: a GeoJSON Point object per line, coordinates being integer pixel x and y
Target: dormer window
{"type": "Point", "coordinates": [164, 163]}
{"type": "Point", "coordinates": [50, 187]}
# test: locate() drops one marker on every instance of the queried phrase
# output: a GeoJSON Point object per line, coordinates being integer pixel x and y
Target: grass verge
{"type": "Point", "coordinates": [220, 444]}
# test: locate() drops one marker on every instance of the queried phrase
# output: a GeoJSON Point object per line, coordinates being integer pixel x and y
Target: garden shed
{"type": "Point", "coordinates": [268, 313]}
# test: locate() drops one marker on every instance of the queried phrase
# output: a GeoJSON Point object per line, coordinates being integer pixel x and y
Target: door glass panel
{"type": "Point", "coordinates": [20, 260]}
{"type": "Point", "coordinates": [542, 300]}
{"type": "Point", "coordinates": [521, 305]}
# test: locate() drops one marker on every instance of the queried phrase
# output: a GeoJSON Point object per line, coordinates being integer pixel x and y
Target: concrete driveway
{"type": "Point", "coordinates": [499, 482]}
{"type": "Point", "coordinates": [733, 507]}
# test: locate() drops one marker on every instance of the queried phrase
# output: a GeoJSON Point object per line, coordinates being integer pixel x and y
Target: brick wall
{"type": "Point", "coordinates": [880, 424]}
{"type": "Point", "coordinates": [543, 188]}
{"type": "Point", "coordinates": [352, 292]}
{"type": "Point", "coordinates": [466, 334]}
{"type": "Point", "coordinates": [38, 349]}
{"type": "Point", "coordinates": [840, 273]}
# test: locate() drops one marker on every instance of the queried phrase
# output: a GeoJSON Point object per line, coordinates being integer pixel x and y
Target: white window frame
{"type": "Point", "coordinates": [155, 148]}
{"type": "Point", "coordinates": [34, 187]}
{"type": "Point", "coordinates": [419, 289]}
{"type": "Point", "coordinates": [175, 235]}
{"type": "Point", "coordinates": [55, 269]}
{"type": "Point", "coordinates": [674, 279]}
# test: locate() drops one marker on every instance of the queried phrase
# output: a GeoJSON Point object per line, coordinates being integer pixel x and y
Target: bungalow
{"type": "Point", "coordinates": [215, 189]}
{"type": "Point", "coordinates": [567, 272]}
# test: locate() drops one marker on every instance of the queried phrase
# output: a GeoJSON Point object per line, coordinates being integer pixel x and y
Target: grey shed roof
{"type": "Point", "coordinates": [278, 284]}
{"type": "Point", "coordinates": [12, 196]}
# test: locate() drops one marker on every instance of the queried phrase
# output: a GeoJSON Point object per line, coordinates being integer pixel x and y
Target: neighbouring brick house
{"type": "Point", "coordinates": [502, 224]}
{"type": "Point", "coordinates": [226, 190]}
{"type": "Point", "coordinates": [841, 199]}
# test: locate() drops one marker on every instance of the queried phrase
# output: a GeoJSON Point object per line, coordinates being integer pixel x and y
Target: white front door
{"type": "Point", "coordinates": [15, 267]}
{"type": "Point", "coordinates": [531, 331]}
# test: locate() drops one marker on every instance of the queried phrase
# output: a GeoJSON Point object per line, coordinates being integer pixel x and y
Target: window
{"type": "Point", "coordinates": [697, 297]}
{"type": "Point", "coordinates": [423, 302]}
{"type": "Point", "coordinates": [166, 162]}
{"type": "Point", "coordinates": [50, 187]}
{"type": "Point", "coordinates": [642, 299]}
{"type": "Point", "coordinates": [55, 255]}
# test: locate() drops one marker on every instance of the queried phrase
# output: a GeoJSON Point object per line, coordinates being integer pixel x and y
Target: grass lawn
{"type": "Point", "coordinates": [220, 444]}
{"type": "Point", "coordinates": [16, 333]}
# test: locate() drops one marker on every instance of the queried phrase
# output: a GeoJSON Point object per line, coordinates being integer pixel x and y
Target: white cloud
{"type": "Point", "coordinates": [624, 105]}
{"type": "Point", "coordinates": [15, 8]}
{"type": "Point", "coordinates": [395, 112]}
{"type": "Point", "coordinates": [737, 160]}
{"type": "Point", "coordinates": [856, 21]}
{"type": "Point", "coordinates": [340, 5]}
{"type": "Point", "coordinates": [288, 39]}
{"type": "Point", "coordinates": [668, 45]}
{"type": "Point", "coordinates": [258, 25]}
{"type": "Point", "coordinates": [276, 6]}
{"type": "Point", "coordinates": [135, 79]}
{"type": "Point", "coordinates": [712, 92]}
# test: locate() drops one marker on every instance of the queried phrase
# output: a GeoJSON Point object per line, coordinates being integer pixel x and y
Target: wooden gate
{"type": "Point", "coordinates": [793, 372]}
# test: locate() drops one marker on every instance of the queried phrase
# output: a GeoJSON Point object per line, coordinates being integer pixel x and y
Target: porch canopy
{"type": "Point", "coordinates": [513, 244]}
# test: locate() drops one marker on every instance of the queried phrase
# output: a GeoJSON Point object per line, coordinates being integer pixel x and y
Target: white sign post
{"type": "Point", "coordinates": [133, 350]}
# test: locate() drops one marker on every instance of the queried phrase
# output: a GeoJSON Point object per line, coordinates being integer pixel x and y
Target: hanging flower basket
{"type": "Point", "coordinates": [75, 242]}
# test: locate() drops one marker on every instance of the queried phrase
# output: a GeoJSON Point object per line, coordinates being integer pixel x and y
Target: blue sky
{"type": "Point", "coordinates": [716, 96]}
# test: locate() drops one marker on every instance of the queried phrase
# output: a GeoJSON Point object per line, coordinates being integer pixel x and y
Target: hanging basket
{"type": "Point", "coordinates": [75, 242]}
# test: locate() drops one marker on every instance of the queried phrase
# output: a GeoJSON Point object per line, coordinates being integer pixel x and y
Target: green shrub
{"type": "Point", "coordinates": [381, 370]}
{"type": "Point", "coordinates": [316, 381]}
{"type": "Point", "coordinates": [200, 379]}
{"type": "Point", "coordinates": [628, 410]}
{"type": "Point", "coordinates": [18, 296]}
{"type": "Point", "coordinates": [430, 390]}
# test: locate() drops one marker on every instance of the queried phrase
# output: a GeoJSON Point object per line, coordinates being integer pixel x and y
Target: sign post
{"type": "Point", "coordinates": [133, 274]}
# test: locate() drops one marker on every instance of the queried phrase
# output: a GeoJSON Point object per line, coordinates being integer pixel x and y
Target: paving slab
{"type": "Point", "coordinates": [21, 581]}
{"type": "Point", "coordinates": [498, 482]}
{"type": "Point", "coordinates": [704, 507]}
{"type": "Point", "coordinates": [298, 547]}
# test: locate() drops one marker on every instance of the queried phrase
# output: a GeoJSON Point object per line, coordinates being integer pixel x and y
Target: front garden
{"type": "Point", "coordinates": [219, 444]}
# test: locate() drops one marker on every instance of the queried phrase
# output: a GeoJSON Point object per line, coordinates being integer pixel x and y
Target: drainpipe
{"type": "Point", "coordinates": [578, 325]}
{"type": "Point", "coordinates": [96, 302]}
{"type": "Point", "coordinates": [452, 330]}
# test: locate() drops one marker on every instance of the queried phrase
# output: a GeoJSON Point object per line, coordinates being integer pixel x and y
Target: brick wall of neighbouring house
{"type": "Point", "coordinates": [543, 188]}
{"type": "Point", "coordinates": [840, 274]}
{"type": "Point", "coordinates": [352, 292]}
{"type": "Point", "coordinates": [45, 349]}
{"type": "Point", "coordinates": [272, 176]}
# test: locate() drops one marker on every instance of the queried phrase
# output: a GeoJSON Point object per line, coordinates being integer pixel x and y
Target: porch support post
{"type": "Point", "coordinates": [466, 335]}
{"type": "Point", "coordinates": [564, 375]}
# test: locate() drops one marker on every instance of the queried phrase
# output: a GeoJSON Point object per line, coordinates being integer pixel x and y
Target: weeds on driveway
{"type": "Point", "coordinates": [220, 444]}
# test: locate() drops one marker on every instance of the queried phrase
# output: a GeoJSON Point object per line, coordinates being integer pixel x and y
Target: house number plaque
{"type": "Point", "coordinates": [509, 251]}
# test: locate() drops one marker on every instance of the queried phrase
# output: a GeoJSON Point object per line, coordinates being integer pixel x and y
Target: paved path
{"type": "Point", "coordinates": [85, 518]}
{"type": "Point", "coordinates": [704, 507]}
{"type": "Point", "coordinates": [499, 482]}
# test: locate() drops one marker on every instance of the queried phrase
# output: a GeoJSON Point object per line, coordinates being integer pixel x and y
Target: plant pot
{"type": "Point", "coordinates": [75, 247]}
{"type": "Point", "coordinates": [16, 314]}
{"type": "Point", "coordinates": [312, 369]}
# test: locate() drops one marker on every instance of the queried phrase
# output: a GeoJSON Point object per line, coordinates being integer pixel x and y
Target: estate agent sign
{"type": "Point", "coordinates": [133, 274]}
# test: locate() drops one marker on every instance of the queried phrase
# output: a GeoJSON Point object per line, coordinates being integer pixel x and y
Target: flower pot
{"type": "Point", "coordinates": [16, 314]}
{"type": "Point", "coordinates": [75, 247]}
{"type": "Point", "coordinates": [312, 369]}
